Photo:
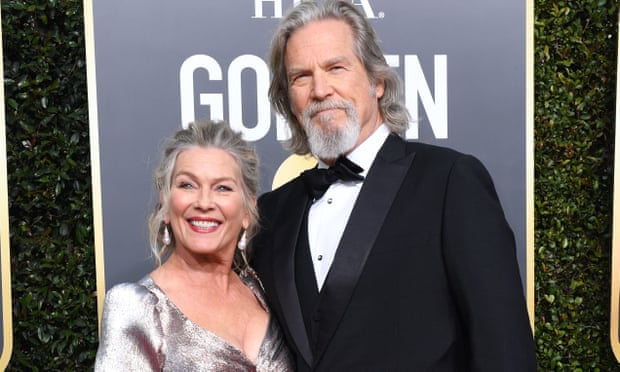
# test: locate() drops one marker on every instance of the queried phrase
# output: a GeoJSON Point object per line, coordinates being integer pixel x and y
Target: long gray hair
{"type": "Point", "coordinates": [366, 48]}
{"type": "Point", "coordinates": [205, 134]}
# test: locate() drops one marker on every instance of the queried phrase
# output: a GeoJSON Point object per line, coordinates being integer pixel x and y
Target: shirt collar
{"type": "Point", "coordinates": [364, 154]}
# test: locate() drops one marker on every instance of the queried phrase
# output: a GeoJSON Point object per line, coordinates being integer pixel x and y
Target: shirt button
{"type": "Point", "coordinates": [320, 257]}
{"type": "Point", "coordinates": [330, 200]}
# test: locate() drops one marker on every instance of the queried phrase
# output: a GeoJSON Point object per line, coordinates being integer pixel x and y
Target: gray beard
{"type": "Point", "coordinates": [331, 141]}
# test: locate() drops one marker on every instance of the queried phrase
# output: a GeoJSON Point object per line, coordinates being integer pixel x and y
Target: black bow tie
{"type": "Point", "coordinates": [317, 180]}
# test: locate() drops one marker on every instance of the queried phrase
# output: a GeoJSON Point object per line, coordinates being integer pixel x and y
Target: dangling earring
{"type": "Point", "coordinates": [166, 238]}
{"type": "Point", "coordinates": [242, 243]}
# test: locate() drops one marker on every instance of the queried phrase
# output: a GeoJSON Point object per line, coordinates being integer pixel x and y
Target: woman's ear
{"type": "Point", "coordinates": [246, 220]}
{"type": "Point", "coordinates": [161, 206]}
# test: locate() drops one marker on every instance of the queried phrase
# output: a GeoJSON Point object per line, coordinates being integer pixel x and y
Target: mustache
{"type": "Point", "coordinates": [316, 107]}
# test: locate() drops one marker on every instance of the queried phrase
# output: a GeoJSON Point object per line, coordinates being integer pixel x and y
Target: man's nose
{"type": "Point", "coordinates": [321, 86]}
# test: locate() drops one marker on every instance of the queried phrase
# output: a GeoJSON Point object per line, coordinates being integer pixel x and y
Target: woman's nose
{"type": "Point", "coordinates": [204, 199]}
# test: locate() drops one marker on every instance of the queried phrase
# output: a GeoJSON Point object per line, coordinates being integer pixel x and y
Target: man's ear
{"type": "Point", "coordinates": [379, 89]}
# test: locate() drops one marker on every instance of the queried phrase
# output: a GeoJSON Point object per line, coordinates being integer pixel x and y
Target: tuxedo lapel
{"type": "Point", "coordinates": [373, 203]}
{"type": "Point", "coordinates": [290, 223]}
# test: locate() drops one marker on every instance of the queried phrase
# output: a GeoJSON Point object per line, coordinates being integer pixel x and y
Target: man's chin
{"type": "Point", "coordinates": [326, 126]}
{"type": "Point", "coordinates": [329, 119]}
{"type": "Point", "coordinates": [331, 151]}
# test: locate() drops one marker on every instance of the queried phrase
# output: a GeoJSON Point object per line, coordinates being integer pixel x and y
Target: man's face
{"type": "Point", "coordinates": [330, 89]}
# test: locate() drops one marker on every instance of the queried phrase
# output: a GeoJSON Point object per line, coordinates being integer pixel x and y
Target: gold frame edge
{"type": "Point", "coordinates": [5, 252]}
{"type": "Point", "coordinates": [93, 120]}
{"type": "Point", "coordinates": [614, 323]}
{"type": "Point", "coordinates": [529, 161]}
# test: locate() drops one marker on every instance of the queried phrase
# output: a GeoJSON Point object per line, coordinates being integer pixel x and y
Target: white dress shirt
{"type": "Point", "coordinates": [329, 215]}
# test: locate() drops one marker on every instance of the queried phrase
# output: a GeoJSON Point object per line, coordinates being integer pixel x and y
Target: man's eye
{"type": "Point", "coordinates": [298, 77]}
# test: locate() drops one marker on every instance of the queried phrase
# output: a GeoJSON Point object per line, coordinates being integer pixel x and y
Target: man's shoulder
{"type": "Point", "coordinates": [433, 154]}
{"type": "Point", "coordinates": [273, 197]}
{"type": "Point", "coordinates": [431, 149]}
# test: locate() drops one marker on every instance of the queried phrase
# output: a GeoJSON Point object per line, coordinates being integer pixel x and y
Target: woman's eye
{"type": "Point", "coordinates": [186, 185]}
{"type": "Point", "coordinates": [224, 188]}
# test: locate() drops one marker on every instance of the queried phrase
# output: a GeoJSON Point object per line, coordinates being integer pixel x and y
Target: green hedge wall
{"type": "Point", "coordinates": [53, 271]}
{"type": "Point", "coordinates": [53, 280]}
{"type": "Point", "coordinates": [575, 77]}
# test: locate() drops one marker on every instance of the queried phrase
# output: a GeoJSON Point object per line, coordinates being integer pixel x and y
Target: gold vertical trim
{"type": "Point", "coordinates": [614, 322]}
{"type": "Point", "coordinates": [93, 119]}
{"type": "Point", "coordinates": [529, 159]}
{"type": "Point", "coordinates": [5, 249]}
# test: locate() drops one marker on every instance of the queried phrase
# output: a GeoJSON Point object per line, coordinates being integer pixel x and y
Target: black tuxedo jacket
{"type": "Point", "coordinates": [425, 277]}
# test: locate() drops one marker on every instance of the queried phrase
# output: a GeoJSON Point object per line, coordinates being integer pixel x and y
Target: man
{"type": "Point", "coordinates": [408, 265]}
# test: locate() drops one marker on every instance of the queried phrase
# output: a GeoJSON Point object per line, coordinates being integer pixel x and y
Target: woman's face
{"type": "Point", "coordinates": [207, 209]}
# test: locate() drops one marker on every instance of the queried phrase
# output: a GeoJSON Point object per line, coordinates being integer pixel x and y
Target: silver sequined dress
{"type": "Point", "coordinates": [142, 330]}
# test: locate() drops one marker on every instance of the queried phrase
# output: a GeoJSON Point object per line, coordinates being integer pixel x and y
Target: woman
{"type": "Point", "coordinates": [203, 308]}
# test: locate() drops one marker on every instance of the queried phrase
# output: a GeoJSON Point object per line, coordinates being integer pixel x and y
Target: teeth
{"type": "Point", "coordinates": [203, 224]}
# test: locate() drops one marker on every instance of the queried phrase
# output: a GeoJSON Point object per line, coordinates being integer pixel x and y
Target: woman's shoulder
{"type": "Point", "coordinates": [128, 295]}
{"type": "Point", "coordinates": [130, 322]}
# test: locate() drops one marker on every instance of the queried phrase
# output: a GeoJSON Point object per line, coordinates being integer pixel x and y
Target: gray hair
{"type": "Point", "coordinates": [205, 134]}
{"type": "Point", "coordinates": [366, 47]}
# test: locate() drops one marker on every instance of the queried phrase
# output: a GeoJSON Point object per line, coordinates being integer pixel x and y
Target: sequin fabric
{"type": "Point", "coordinates": [142, 330]}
